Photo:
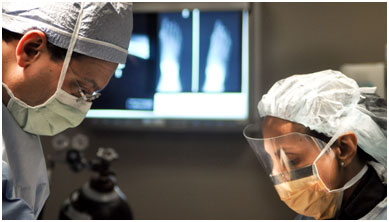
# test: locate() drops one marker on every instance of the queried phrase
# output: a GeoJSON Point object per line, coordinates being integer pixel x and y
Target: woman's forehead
{"type": "Point", "coordinates": [273, 127]}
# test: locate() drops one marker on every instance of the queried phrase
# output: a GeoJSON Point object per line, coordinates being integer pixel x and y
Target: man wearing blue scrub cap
{"type": "Point", "coordinates": [56, 58]}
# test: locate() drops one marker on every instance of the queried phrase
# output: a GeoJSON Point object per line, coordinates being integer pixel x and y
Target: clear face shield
{"type": "Point", "coordinates": [300, 167]}
{"type": "Point", "coordinates": [291, 156]}
{"type": "Point", "coordinates": [303, 168]}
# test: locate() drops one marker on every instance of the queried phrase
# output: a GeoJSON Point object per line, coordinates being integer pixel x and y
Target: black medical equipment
{"type": "Point", "coordinates": [100, 198]}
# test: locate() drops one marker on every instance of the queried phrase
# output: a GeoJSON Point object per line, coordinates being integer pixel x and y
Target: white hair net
{"type": "Point", "coordinates": [330, 103]}
{"type": "Point", "coordinates": [104, 33]}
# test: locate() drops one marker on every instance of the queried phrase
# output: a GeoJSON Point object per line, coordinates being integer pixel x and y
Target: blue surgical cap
{"type": "Point", "coordinates": [105, 29]}
{"type": "Point", "coordinates": [330, 103]}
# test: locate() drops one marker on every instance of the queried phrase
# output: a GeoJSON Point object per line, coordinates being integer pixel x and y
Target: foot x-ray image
{"type": "Point", "coordinates": [161, 58]}
{"type": "Point", "coordinates": [219, 59]}
{"type": "Point", "coordinates": [175, 53]}
{"type": "Point", "coordinates": [220, 52]}
{"type": "Point", "coordinates": [170, 38]}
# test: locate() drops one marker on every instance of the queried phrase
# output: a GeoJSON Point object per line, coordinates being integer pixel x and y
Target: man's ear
{"type": "Point", "coordinates": [345, 148]}
{"type": "Point", "coordinates": [30, 47]}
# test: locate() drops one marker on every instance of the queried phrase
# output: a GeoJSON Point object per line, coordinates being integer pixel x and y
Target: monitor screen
{"type": "Point", "coordinates": [187, 65]}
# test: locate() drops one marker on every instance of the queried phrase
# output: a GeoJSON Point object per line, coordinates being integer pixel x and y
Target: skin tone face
{"type": "Point", "coordinates": [33, 76]}
{"type": "Point", "coordinates": [292, 149]}
{"type": "Point", "coordinates": [296, 150]}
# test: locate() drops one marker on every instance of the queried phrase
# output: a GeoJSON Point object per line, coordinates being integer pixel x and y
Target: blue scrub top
{"type": "Point", "coordinates": [25, 182]}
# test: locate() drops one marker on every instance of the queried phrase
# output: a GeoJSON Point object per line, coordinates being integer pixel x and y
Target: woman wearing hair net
{"type": "Point", "coordinates": [56, 57]}
{"type": "Point", "coordinates": [322, 141]}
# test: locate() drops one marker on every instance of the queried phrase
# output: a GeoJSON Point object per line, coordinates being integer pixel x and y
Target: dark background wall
{"type": "Point", "coordinates": [308, 37]}
{"type": "Point", "coordinates": [214, 175]}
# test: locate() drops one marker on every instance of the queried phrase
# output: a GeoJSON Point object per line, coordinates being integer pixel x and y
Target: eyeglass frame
{"type": "Point", "coordinates": [86, 96]}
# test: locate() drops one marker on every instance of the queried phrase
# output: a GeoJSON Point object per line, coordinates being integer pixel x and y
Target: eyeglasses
{"type": "Point", "coordinates": [86, 96]}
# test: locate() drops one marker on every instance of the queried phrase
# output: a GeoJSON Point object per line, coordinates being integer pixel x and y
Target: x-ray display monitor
{"type": "Point", "coordinates": [181, 65]}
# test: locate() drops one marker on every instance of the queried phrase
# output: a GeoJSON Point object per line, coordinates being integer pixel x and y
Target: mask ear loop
{"type": "Point", "coordinates": [349, 183]}
{"type": "Point", "coordinates": [64, 69]}
{"type": "Point", "coordinates": [353, 180]}
{"type": "Point", "coordinates": [69, 52]}
{"type": "Point", "coordinates": [325, 149]}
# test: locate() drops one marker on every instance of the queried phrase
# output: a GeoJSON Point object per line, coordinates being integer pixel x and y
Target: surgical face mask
{"type": "Point", "coordinates": [300, 167]}
{"type": "Point", "coordinates": [61, 111]}
{"type": "Point", "coordinates": [57, 114]}
{"type": "Point", "coordinates": [309, 196]}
